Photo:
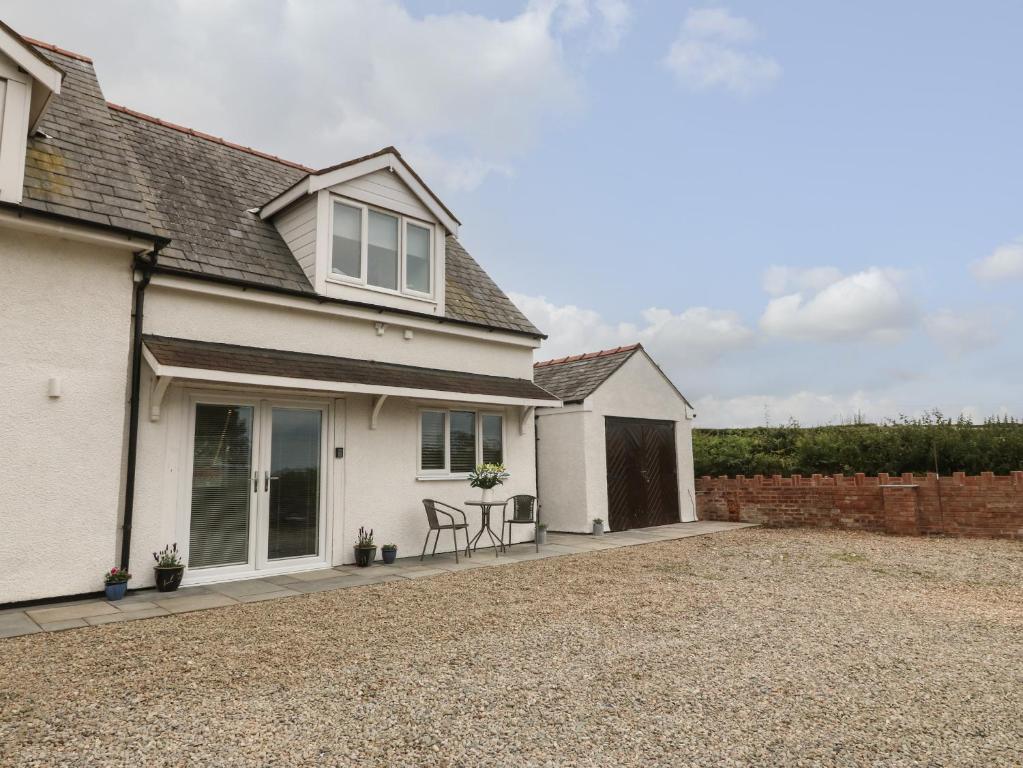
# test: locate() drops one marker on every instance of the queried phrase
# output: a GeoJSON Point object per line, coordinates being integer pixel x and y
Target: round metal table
{"type": "Point", "coordinates": [485, 507]}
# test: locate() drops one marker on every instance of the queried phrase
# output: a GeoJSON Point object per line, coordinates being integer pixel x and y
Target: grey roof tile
{"type": "Point", "coordinates": [81, 163]}
{"type": "Point", "coordinates": [575, 378]}
{"type": "Point", "coordinates": [112, 166]}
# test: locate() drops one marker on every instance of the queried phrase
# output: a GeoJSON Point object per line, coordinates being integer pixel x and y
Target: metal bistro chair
{"type": "Point", "coordinates": [433, 509]}
{"type": "Point", "coordinates": [524, 512]}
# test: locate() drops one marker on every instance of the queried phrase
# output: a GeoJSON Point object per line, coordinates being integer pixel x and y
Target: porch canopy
{"type": "Point", "coordinates": [172, 359]}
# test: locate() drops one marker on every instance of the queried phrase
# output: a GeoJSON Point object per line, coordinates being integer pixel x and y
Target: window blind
{"type": "Point", "coordinates": [221, 478]}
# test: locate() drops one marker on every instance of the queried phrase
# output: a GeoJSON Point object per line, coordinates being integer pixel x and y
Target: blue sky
{"type": "Point", "coordinates": [804, 209]}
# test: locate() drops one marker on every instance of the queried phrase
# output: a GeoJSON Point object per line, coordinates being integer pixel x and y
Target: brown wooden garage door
{"type": "Point", "coordinates": [642, 475]}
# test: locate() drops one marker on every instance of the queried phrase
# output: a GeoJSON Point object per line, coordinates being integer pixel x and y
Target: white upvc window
{"type": "Point", "coordinates": [380, 249]}
{"type": "Point", "coordinates": [453, 442]}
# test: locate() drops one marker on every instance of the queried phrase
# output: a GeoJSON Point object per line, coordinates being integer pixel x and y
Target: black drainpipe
{"type": "Point", "coordinates": [133, 413]}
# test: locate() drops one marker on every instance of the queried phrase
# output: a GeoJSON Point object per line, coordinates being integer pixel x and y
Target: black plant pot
{"type": "Point", "coordinates": [364, 556]}
{"type": "Point", "coordinates": [168, 579]}
{"type": "Point", "coordinates": [388, 555]}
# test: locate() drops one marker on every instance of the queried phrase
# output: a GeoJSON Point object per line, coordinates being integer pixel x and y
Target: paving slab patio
{"type": "Point", "coordinates": [148, 604]}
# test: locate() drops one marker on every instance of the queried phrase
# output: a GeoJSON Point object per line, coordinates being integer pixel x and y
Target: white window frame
{"type": "Point", "coordinates": [446, 473]}
{"type": "Point", "coordinates": [362, 280]}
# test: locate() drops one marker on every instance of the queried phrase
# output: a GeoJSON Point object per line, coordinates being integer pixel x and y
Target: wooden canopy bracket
{"type": "Point", "coordinates": [160, 384]}
{"type": "Point", "coordinates": [378, 403]}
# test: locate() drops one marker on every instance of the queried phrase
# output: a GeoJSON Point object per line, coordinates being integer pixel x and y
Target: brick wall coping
{"type": "Point", "coordinates": [1014, 479]}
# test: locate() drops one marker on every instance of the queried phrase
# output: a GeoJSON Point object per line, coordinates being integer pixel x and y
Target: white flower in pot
{"type": "Point", "coordinates": [486, 477]}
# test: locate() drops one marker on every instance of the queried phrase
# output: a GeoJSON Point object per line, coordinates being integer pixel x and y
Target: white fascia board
{"type": "Point", "coordinates": [27, 222]}
{"type": "Point", "coordinates": [44, 73]}
{"type": "Point", "coordinates": [336, 387]}
{"type": "Point", "coordinates": [282, 201]}
{"type": "Point", "coordinates": [561, 407]}
{"type": "Point", "coordinates": [373, 315]}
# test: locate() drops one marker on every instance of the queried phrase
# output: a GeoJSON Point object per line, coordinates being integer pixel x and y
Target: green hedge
{"type": "Point", "coordinates": [928, 444]}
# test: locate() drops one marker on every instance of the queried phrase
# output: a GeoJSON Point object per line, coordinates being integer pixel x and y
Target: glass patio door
{"type": "Point", "coordinates": [291, 505]}
{"type": "Point", "coordinates": [258, 486]}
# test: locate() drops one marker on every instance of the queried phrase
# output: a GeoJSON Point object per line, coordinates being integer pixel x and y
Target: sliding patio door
{"type": "Point", "coordinates": [258, 486]}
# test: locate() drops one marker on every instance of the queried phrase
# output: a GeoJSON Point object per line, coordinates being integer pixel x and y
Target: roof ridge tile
{"type": "Point", "coordinates": [56, 49]}
{"type": "Point", "coordinates": [587, 355]}
{"type": "Point", "coordinates": [207, 136]}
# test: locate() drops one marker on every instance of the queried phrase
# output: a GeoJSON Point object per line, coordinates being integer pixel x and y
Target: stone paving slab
{"type": "Point", "coordinates": [57, 626]}
{"type": "Point", "coordinates": [195, 603]}
{"type": "Point", "coordinates": [268, 596]}
{"type": "Point", "coordinates": [62, 612]}
{"type": "Point", "coordinates": [111, 618]}
{"type": "Point", "coordinates": [92, 612]}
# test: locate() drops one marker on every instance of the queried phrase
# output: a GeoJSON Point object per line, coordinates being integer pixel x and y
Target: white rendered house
{"type": "Point", "coordinates": [207, 345]}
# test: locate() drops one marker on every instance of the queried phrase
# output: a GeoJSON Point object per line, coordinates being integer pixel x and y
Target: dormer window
{"type": "Point", "coordinates": [381, 250]}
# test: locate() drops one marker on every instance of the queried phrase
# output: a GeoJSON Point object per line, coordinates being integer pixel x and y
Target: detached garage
{"type": "Point", "coordinates": [621, 447]}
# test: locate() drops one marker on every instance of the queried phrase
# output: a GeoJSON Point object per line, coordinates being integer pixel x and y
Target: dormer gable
{"type": "Point", "coordinates": [368, 230]}
{"type": "Point", "coordinates": [27, 81]}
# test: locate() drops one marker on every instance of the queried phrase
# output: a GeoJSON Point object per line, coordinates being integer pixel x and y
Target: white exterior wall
{"type": "Point", "coordinates": [562, 468]}
{"type": "Point", "coordinates": [375, 484]}
{"type": "Point", "coordinates": [385, 190]}
{"type": "Point", "coordinates": [191, 315]}
{"type": "Point", "coordinates": [297, 227]}
{"type": "Point", "coordinates": [636, 390]}
{"type": "Point", "coordinates": [65, 312]}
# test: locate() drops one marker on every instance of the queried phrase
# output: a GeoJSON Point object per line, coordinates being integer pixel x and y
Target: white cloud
{"type": "Point", "coordinates": [807, 408]}
{"type": "Point", "coordinates": [462, 94]}
{"type": "Point", "coordinates": [961, 332]}
{"type": "Point", "coordinates": [866, 305]}
{"type": "Point", "coordinates": [710, 53]}
{"type": "Point", "coordinates": [608, 20]}
{"type": "Point", "coordinates": [1004, 263]}
{"type": "Point", "coordinates": [781, 280]}
{"type": "Point", "coordinates": [720, 23]}
{"type": "Point", "coordinates": [698, 336]}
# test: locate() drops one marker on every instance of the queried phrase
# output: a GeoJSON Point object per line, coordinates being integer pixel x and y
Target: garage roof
{"type": "Point", "coordinates": [576, 377]}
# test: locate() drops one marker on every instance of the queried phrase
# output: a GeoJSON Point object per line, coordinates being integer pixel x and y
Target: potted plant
{"type": "Point", "coordinates": [365, 549]}
{"type": "Point", "coordinates": [541, 533]}
{"type": "Point", "coordinates": [116, 580]}
{"type": "Point", "coordinates": [598, 526]}
{"type": "Point", "coordinates": [389, 552]}
{"type": "Point", "coordinates": [169, 568]}
{"type": "Point", "coordinates": [486, 477]}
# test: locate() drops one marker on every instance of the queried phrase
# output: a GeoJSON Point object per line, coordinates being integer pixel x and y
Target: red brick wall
{"type": "Point", "coordinates": [983, 505]}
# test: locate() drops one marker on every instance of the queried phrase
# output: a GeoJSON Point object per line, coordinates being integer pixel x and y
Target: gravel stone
{"type": "Point", "coordinates": [754, 647]}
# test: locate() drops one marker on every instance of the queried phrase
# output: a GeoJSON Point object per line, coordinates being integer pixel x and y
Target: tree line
{"type": "Point", "coordinates": [930, 443]}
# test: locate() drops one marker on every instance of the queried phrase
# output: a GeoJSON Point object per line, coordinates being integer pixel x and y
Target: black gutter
{"type": "Point", "coordinates": [320, 299]}
{"type": "Point", "coordinates": [147, 267]}
{"type": "Point", "coordinates": [24, 211]}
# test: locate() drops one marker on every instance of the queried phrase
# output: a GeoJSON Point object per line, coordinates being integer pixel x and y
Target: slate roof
{"type": "Point", "coordinates": [81, 170]}
{"type": "Point", "coordinates": [111, 166]}
{"type": "Point", "coordinates": [575, 378]}
{"type": "Point", "coordinates": [206, 355]}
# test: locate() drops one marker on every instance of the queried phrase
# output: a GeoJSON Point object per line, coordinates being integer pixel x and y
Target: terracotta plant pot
{"type": "Point", "coordinates": [168, 578]}
{"type": "Point", "coordinates": [364, 556]}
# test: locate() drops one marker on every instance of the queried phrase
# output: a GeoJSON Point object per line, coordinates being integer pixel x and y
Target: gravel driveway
{"type": "Point", "coordinates": [749, 648]}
